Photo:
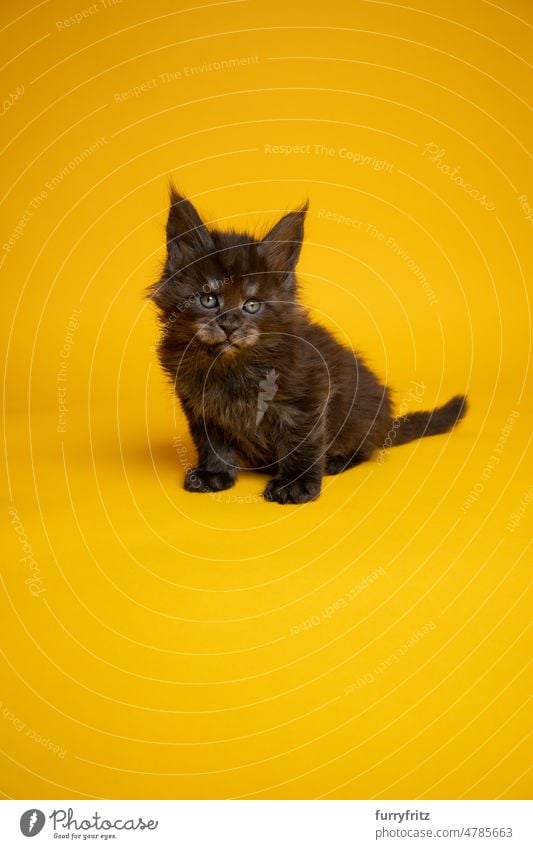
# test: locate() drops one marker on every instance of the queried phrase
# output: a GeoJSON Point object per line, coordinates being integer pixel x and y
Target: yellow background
{"type": "Point", "coordinates": [166, 652]}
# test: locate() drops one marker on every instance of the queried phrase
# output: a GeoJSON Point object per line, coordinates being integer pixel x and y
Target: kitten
{"type": "Point", "coordinates": [258, 380]}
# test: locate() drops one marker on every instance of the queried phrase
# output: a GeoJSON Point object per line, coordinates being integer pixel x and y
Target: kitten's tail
{"type": "Point", "coordinates": [428, 423]}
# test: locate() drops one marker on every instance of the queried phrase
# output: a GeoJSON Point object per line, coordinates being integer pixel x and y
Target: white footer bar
{"type": "Point", "coordinates": [268, 824]}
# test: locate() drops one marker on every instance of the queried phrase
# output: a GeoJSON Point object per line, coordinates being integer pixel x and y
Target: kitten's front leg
{"type": "Point", "coordinates": [216, 460]}
{"type": "Point", "coordinates": [300, 469]}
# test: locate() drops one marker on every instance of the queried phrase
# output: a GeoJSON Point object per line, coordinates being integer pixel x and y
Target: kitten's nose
{"type": "Point", "coordinates": [229, 322]}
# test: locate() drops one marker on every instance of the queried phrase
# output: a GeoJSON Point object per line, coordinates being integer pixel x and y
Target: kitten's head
{"type": "Point", "coordinates": [221, 292]}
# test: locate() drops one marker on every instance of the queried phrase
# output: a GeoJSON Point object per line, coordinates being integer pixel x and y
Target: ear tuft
{"type": "Point", "coordinates": [282, 244]}
{"type": "Point", "coordinates": [187, 235]}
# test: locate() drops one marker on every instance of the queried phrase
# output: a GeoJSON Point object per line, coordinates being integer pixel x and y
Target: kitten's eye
{"type": "Point", "coordinates": [209, 301]}
{"type": "Point", "coordinates": [251, 306]}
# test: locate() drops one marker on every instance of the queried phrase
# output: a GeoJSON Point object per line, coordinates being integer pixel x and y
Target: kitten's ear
{"type": "Point", "coordinates": [187, 235]}
{"type": "Point", "coordinates": [282, 244]}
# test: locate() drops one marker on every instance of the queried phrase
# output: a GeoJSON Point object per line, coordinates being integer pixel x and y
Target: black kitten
{"type": "Point", "coordinates": [258, 380]}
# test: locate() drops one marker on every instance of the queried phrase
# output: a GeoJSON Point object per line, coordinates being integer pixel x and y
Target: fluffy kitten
{"type": "Point", "coordinates": [260, 383]}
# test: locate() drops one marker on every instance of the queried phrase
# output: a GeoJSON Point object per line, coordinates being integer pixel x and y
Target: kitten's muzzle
{"type": "Point", "coordinates": [229, 322]}
{"type": "Point", "coordinates": [227, 334]}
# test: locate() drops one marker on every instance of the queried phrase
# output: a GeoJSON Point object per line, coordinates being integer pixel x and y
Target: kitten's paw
{"type": "Point", "coordinates": [287, 491]}
{"type": "Point", "coordinates": [339, 463]}
{"type": "Point", "coordinates": [335, 465]}
{"type": "Point", "coordinates": [200, 480]}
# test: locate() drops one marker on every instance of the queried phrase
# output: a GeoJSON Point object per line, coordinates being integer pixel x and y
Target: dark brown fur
{"type": "Point", "coordinates": [323, 410]}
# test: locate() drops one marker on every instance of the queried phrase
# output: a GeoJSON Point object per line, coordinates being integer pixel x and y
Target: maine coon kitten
{"type": "Point", "coordinates": [260, 383]}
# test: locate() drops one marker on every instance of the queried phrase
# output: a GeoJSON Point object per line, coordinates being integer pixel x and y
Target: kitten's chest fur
{"type": "Point", "coordinates": [233, 403]}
